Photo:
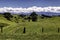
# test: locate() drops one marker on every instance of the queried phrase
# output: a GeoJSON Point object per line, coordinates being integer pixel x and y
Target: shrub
{"type": "Point", "coordinates": [33, 16]}
{"type": "Point", "coordinates": [7, 15]}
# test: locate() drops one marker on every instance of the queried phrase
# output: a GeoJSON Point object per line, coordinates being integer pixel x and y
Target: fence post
{"type": "Point", "coordinates": [24, 30]}
{"type": "Point", "coordinates": [1, 29]}
{"type": "Point", "coordinates": [42, 29]}
{"type": "Point", "coordinates": [58, 30]}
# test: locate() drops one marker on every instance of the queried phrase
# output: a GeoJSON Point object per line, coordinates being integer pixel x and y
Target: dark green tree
{"type": "Point", "coordinates": [16, 19]}
{"type": "Point", "coordinates": [33, 16]}
{"type": "Point", "coordinates": [22, 15]}
{"type": "Point", "coordinates": [29, 19]}
{"type": "Point", "coordinates": [8, 15]}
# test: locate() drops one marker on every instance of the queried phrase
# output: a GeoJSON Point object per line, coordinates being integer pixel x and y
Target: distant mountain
{"type": "Point", "coordinates": [48, 13]}
{"type": "Point", "coordinates": [45, 13]}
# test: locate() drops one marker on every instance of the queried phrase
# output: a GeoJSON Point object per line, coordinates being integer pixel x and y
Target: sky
{"type": "Point", "coordinates": [29, 3]}
{"type": "Point", "coordinates": [27, 6]}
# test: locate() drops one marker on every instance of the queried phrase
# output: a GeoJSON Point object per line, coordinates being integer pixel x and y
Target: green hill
{"type": "Point", "coordinates": [14, 31]}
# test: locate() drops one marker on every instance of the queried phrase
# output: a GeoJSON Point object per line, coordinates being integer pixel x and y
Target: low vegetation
{"type": "Point", "coordinates": [30, 28]}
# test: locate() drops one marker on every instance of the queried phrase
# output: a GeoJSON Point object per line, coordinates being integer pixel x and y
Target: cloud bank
{"type": "Point", "coordinates": [30, 9]}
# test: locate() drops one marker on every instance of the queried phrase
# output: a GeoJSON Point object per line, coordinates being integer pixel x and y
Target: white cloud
{"type": "Point", "coordinates": [30, 9]}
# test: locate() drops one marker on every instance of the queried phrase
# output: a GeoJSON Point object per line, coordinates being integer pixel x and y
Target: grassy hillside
{"type": "Point", "coordinates": [14, 31]}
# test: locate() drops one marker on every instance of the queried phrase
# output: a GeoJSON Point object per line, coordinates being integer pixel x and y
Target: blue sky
{"type": "Point", "coordinates": [27, 6]}
{"type": "Point", "coordinates": [29, 3]}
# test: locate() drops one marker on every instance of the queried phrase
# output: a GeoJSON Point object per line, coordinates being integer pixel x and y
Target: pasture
{"type": "Point", "coordinates": [14, 31]}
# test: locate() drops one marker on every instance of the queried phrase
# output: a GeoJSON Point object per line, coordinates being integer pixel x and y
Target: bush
{"type": "Point", "coordinates": [8, 16]}
{"type": "Point", "coordinates": [22, 15]}
{"type": "Point", "coordinates": [33, 16]}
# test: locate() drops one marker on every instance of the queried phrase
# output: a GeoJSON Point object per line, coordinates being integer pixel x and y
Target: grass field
{"type": "Point", "coordinates": [33, 29]}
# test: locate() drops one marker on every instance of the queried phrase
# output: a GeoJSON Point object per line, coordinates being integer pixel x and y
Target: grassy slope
{"type": "Point", "coordinates": [33, 29]}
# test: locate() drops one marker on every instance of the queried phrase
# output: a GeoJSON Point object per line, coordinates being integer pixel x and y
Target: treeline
{"type": "Point", "coordinates": [33, 16]}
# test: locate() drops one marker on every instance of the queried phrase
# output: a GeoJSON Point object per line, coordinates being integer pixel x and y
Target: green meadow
{"type": "Point", "coordinates": [33, 30]}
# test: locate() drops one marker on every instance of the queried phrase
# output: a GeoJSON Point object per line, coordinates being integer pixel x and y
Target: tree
{"type": "Point", "coordinates": [22, 15]}
{"type": "Point", "coordinates": [29, 19]}
{"type": "Point", "coordinates": [33, 16]}
{"type": "Point", "coordinates": [7, 15]}
{"type": "Point", "coordinates": [16, 19]}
